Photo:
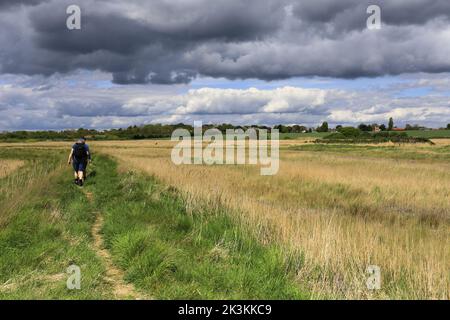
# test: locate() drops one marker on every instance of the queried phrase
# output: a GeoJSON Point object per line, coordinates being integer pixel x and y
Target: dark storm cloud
{"type": "Point", "coordinates": [172, 42]}
{"type": "Point", "coordinates": [137, 51]}
{"type": "Point", "coordinates": [12, 3]}
{"type": "Point", "coordinates": [110, 33]}
{"type": "Point", "coordinates": [394, 12]}
{"type": "Point", "coordinates": [348, 15]}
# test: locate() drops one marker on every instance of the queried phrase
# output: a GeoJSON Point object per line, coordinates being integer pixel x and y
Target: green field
{"type": "Point", "coordinates": [429, 134]}
{"type": "Point", "coordinates": [286, 136]}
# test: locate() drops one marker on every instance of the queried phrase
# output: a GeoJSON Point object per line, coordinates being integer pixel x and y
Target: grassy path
{"type": "Point", "coordinates": [132, 238]}
{"type": "Point", "coordinates": [113, 275]}
{"type": "Point", "coordinates": [47, 230]}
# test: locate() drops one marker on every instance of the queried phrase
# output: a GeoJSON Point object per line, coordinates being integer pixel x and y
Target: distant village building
{"type": "Point", "coordinates": [398, 129]}
{"type": "Point", "coordinates": [376, 128]}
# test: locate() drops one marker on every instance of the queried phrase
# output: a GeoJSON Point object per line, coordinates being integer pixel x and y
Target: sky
{"type": "Point", "coordinates": [223, 61]}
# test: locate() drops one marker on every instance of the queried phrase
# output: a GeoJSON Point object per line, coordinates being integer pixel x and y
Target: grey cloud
{"type": "Point", "coordinates": [4, 4]}
{"type": "Point", "coordinates": [137, 51]}
{"type": "Point", "coordinates": [87, 108]}
{"type": "Point", "coordinates": [174, 42]}
{"type": "Point", "coordinates": [347, 15]}
{"type": "Point", "coordinates": [107, 33]}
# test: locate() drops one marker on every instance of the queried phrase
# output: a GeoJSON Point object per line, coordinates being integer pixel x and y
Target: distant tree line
{"type": "Point", "coordinates": [376, 127]}
{"type": "Point", "coordinates": [150, 131]}
{"type": "Point", "coordinates": [292, 129]}
{"type": "Point", "coordinates": [161, 131]}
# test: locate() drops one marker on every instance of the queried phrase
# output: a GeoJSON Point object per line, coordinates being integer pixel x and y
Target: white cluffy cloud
{"type": "Point", "coordinates": [239, 101]}
{"type": "Point", "coordinates": [61, 102]}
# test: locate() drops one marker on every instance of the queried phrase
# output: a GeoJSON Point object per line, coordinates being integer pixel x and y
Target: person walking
{"type": "Point", "coordinates": [79, 157]}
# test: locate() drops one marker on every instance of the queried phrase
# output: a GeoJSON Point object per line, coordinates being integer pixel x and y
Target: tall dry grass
{"type": "Point", "coordinates": [29, 177]}
{"type": "Point", "coordinates": [342, 212]}
{"type": "Point", "coordinates": [7, 166]}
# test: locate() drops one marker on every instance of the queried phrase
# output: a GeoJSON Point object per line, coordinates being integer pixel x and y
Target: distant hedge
{"type": "Point", "coordinates": [353, 136]}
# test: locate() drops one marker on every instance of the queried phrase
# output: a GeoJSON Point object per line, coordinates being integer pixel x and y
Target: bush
{"type": "Point", "coordinates": [349, 132]}
{"type": "Point", "coordinates": [335, 135]}
{"type": "Point", "coordinates": [389, 134]}
{"type": "Point", "coordinates": [353, 135]}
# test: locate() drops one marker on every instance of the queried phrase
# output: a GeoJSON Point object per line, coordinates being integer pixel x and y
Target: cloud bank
{"type": "Point", "coordinates": [37, 103]}
{"type": "Point", "coordinates": [168, 42]}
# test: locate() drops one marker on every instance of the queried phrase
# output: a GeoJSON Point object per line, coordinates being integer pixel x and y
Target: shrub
{"type": "Point", "coordinates": [335, 135]}
{"type": "Point", "coordinates": [350, 132]}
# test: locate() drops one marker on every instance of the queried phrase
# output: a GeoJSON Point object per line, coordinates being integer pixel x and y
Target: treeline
{"type": "Point", "coordinates": [162, 131]}
{"type": "Point", "coordinates": [292, 129]}
{"type": "Point", "coordinates": [377, 127]}
{"type": "Point", "coordinates": [150, 131]}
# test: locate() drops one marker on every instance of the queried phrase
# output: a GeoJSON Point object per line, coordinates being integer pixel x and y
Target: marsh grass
{"type": "Point", "coordinates": [342, 207]}
{"type": "Point", "coordinates": [8, 166]}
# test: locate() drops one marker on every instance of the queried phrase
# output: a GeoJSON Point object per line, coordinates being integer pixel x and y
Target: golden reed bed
{"type": "Point", "coordinates": [8, 166]}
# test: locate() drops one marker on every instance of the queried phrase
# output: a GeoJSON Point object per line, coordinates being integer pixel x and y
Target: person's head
{"type": "Point", "coordinates": [80, 141]}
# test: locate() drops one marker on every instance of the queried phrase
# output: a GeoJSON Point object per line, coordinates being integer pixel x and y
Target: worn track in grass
{"type": "Point", "coordinates": [114, 275]}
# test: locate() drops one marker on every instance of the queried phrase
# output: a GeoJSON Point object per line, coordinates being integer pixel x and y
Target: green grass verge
{"type": "Point", "coordinates": [49, 231]}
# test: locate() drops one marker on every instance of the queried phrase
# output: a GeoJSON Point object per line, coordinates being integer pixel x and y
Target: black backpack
{"type": "Point", "coordinates": [79, 151]}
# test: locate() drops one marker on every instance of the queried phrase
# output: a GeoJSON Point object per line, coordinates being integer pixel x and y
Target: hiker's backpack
{"type": "Point", "coordinates": [79, 151]}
